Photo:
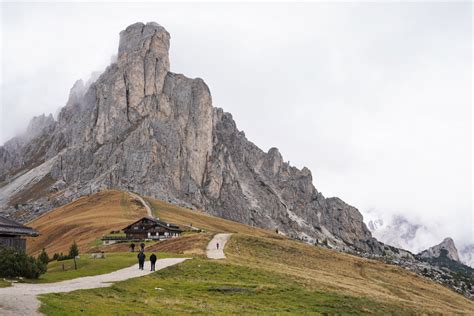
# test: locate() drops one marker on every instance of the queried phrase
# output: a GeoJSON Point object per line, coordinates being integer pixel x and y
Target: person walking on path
{"type": "Point", "coordinates": [217, 246]}
{"type": "Point", "coordinates": [152, 261]}
{"type": "Point", "coordinates": [142, 245]}
{"type": "Point", "coordinates": [141, 260]}
{"type": "Point", "coordinates": [132, 247]}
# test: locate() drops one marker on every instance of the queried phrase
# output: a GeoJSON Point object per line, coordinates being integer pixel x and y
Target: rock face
{"type": "Point", "coordinates": [142, 128]}
{"type": "Point", "coordinates": [435, 251]}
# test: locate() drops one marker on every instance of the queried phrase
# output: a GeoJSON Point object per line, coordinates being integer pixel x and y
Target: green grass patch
{"type": "Point", "coordinates": [201, 286]}
{"type": "Point", "coordinates": [4, 283]}
{"type": "Point", "coordinates": [87, 266]}
{"type": "Point", "coordinates": [96, 243]}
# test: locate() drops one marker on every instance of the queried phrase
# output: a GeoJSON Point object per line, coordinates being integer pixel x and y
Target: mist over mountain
{"type": "Point", "coordinates": [417, 238]}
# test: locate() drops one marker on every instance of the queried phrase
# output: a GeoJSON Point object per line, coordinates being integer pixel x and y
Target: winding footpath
{"type": "Point", "coordinates": [144, 203]}
{"type": "Point", "coordinates": [217, 253]}
{"type": "Point", "coordinates": [20, 298]}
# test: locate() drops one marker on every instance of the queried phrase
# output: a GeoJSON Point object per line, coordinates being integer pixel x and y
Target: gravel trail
{"type": "Point", "coordinates": [212, 251]}
{"type": "Point", "coordinates": [20, 299]}
{"type": "Point", "coordinates": [144, 203]}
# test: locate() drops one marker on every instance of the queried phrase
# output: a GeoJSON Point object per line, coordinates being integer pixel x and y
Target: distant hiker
{"type": "Point", "coordinates": [152, 261]}
{"type": "Point", "coordinates": [141, 260]}
{"type": "Point", "coordinates": [217, 246]}
{"type": "Point", "coordinates": [142, 245]}
{"type": "Point", "coordinates": [132, 247]}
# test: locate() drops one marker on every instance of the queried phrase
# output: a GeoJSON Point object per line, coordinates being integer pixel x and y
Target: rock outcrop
{"type": "Point", "coordinates": [446, 245]}
{"type": "Point", "coordinates": [142, 128]}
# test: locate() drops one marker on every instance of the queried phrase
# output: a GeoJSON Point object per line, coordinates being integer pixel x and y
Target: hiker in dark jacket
{"type": "Point", "coordinates": [141, 260]}
{"type": "Point", "coordinates": [132, 247]}
{"type": "Point", "coordinates": [153, 261]}
{"type": "Point", "coordinates": [142, 245]}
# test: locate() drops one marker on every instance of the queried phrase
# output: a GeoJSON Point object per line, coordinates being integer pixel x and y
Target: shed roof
{"type": "Point", "coordinates": [156, 222]}
{"type": "Point", "coordinates": [10, 227]}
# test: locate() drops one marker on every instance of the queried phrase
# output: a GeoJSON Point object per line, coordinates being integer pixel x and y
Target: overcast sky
{"type": "Point", "coordinates": [375, 99]}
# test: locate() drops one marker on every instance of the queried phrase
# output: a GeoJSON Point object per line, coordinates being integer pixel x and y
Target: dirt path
{"type": "Point", "coordinates": [144, 203]}
{"type": "Point", "coordinates": [212, 251]}
{"type": "Point", "coordinates": [20, 299]}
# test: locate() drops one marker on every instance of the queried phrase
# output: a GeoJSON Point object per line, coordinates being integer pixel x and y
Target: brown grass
{"type": "Point", "coordinates": [183, 216]}
{"type": "Point", "coordinates": [320, 268]}
{"type": "Point", "coordinates": [317, 268]}
{"type": "Point", "coordinates": [194, 243]}
{"type": "Point", "coordinates": [83, 220]}
{"type": "Point", "coordinates": [326, 270]}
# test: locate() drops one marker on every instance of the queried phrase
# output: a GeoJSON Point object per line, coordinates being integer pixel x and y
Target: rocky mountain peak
{"type": "Point", "coordinates": [448, 241]}
{"type": "Point", "coordinates": [448, 245]}
{"type": "Point", "coordinates": [38, 124]}
{"type": "Point", "coordinates": [145, 45]}
{"type": "Point", "coordinates": [140, 127]}
{"type": "Point", "coordinates": [139, 36]}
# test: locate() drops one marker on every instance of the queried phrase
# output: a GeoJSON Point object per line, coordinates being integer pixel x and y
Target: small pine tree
{"type": "Point", "coordinates": [74, 250]}
{"type": "Point", "coordinates": [43, 257]}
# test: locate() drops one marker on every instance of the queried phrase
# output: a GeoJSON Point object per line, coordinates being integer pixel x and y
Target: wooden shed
{"type": "Point", "coordinates": [12, 234]}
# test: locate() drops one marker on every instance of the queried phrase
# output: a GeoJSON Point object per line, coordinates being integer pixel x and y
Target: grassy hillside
{"type": "Point", "coordinates": [325, 270]}
{"type": "Point", "coordinates": [85, 220]}
{"type": "Point", "coordinates": [183, 216]}
{"type": "Point", "coordinates": [263, 273]}
{"type": "Point", "coordinates": [208, 287]}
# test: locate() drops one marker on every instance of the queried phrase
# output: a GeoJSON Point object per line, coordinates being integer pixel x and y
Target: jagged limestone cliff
{"type": "Point", "coordinates": [448, 245]}
{"type": "Point", "coordinates": [142, 128]}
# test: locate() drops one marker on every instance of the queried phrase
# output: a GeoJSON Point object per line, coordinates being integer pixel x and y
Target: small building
{"type": "Point", "coordinates": [151, 228]}
{"type": "Point", "coordinates": [12, 234]}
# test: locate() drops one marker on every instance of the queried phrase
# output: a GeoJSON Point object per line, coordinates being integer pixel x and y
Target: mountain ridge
{"type": "Point", "coordinates": [140, 127]}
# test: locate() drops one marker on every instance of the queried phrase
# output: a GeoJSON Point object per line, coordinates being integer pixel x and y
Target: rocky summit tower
{"type": "Point", "coordinates": [142, 128]}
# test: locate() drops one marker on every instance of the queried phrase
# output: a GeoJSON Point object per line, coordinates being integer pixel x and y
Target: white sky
{"type": "Point", "coordinates": [376, 99]}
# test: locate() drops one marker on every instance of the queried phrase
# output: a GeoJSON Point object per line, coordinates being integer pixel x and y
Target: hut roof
{"type": "Point", "coordinates": [9, 227]}
{"type": "Point", "coordinates": [157, 222]}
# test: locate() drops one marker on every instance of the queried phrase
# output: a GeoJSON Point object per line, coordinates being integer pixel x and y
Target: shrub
{"type": "Point", "coordinates": [15, 263]}
{"type": "Point", "coordinates": [62, 257]}
{"type": "Point", "coordinates": [43, 257]}
{"type": "Point", "coordinates": [43, 260]}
